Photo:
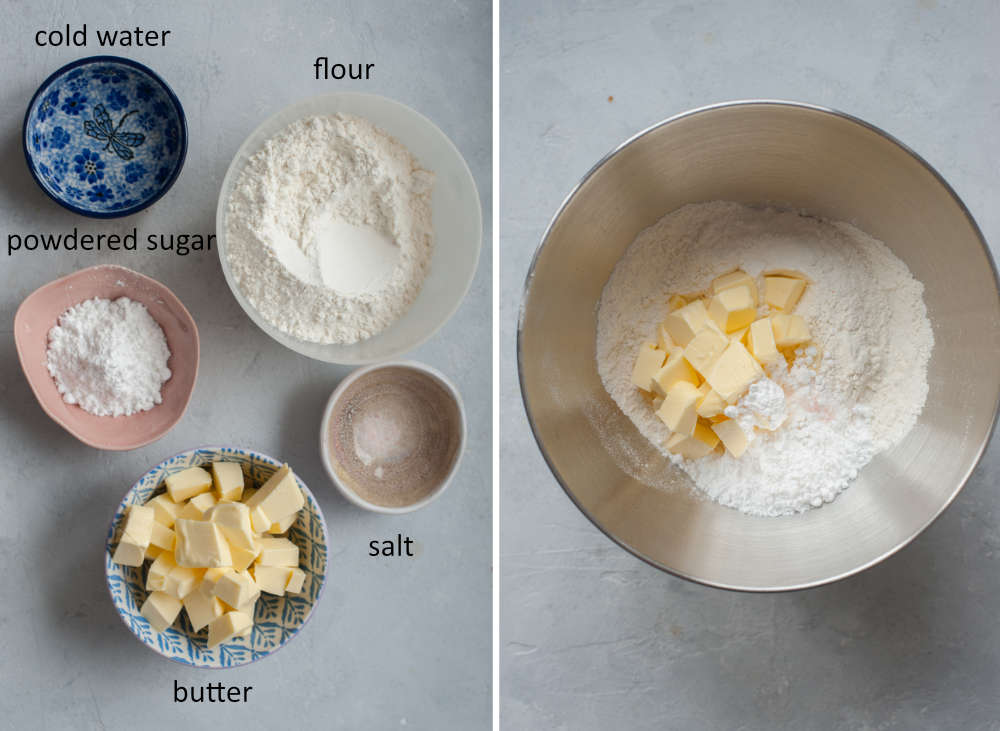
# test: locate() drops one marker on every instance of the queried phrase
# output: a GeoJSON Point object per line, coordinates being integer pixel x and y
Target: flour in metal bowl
{"type": "Point", "coordinates": [329, 232]}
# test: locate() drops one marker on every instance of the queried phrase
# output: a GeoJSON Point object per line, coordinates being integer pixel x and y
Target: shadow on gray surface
{"type": "Point", "coordinates": [76, 598]}
{"type": "Point", "coordinates": [19, 408]}
{"type": "Point", "coordinates": [300, 427]}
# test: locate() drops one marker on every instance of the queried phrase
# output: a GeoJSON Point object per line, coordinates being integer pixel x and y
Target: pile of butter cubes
{"type": "Point", "coordinates": [711, 348]}
{"type": "Point", "coordinates": [215, 545]}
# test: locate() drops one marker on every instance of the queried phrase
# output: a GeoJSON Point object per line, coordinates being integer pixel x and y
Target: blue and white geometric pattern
{"type": "Point", "coordinates": [105, 136]}
{"type": "Point", "coordinates": [277, 618]}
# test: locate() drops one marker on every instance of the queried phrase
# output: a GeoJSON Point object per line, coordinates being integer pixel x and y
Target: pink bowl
{"type": "Point", "coordinates": [41, 310]}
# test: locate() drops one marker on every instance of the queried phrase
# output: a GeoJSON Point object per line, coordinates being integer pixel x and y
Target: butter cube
{"type": "Point", "coordinates": [160, 610]}
{"type": "Point", "coordinates": [188, 483]}
{"type": "Point", "coordinates": [162, 537]}
{"type": "Point", "coordinates": [227, 479]}
{"type": "Point", "coordinates": [762, 345]}
{"type": "Point", "coordinates": [226, 627]}
{"type": "Point", "coordinates": [136, 535]}
{"type": "Point", "coordinates": [197, 507]}
{"type": "Point", "coordinates": [248, 609]}
{"type": "Point", "coordinates": [685, 323]}
{"type": "Point", "coordinates": [277, 499]}
{"type": "Point", "coordinates": [244, 557]}
{"type": "Point", "coordinates": [152, 552]}
{"type": "Point", "coordinates": [138, 526]}
{"type": "Point", "coordinates": [711, 404]}
{"type": "Point", "coordinates": [282, 525]}
{"type": "Point", "coordinates": [678, 409]}
{"type": "Point", "coordinates": [676, 301]}
{"type": "Point", "coordinates": [663, 340]}
{"type": "Point", "coordinates": [675, 370]}
{"type": "Point", "coordinates": [158, 570]}
{"type": "Point", "coordinates": [733, 308]}
{"type": "Point", "coordinates": [211, 577]}
{"type": "Point", "coordinates": [740, 335]}
{"type": "Point", "coordinates": [233, 520]}
{"type": "Point", "coordinates": [698, 445]}
{"type": "Point", "coordinates": [272, 579]}
{"type": "Point", "coordinates": [646, 365]}
{"type": "Point", "coordinates": [705, 348]}
{"type": "Point", "coordinates": [790, 273]}
{"type": "Point", "coordinates": [732, 436]}
{"type": "Point", "coordinates": [129, 554]}
{"type": "Point", "coordinates": [783, 293]}
{"type": "Point", "coordinates": [259, 518]}
{"type": "Point", "coordinates": [200, 544]}
{"type": "Point", "coordinates": [739, 278]}
{"type": "Point", "coordinates": [278, 552]}
{"type": "Point", "coordinates": [733, 372]}
{"type": "Point", "coordinates": [182, 580]}
{"type": "Point", "coordinates": [790, 331]}
{"type": "Point", "coordinates": [236, 589]}
{"type": "Point", "coordinates": [165, 510]}
{"type": "Point", "coordinates": [202, 609]}
{"type": "Point", "coordinates": [296, 581]}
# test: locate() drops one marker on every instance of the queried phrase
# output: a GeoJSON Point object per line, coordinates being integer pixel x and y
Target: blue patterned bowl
{"type": "Point", "coordinates": [277, 618]}
{"type": "Point", "coordinates": [105, 136]}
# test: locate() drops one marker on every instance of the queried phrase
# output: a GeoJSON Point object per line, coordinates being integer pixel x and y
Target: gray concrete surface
{"type": "Point", "coordinates": [393, 643]}
{"type": "Point", "coordinates": [591, 637]}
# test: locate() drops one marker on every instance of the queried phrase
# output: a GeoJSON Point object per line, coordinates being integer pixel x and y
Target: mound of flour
{"type": "Point", "coordinates": [857, 393]}
{"type": "Point", "coordinates": [329, 229]}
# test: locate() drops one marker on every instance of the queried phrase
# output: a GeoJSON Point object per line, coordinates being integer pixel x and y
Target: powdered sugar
{"type": "Point", "coordinates": [329, 230]}
{"type": "Point", "coordinates": [867, 317]}
{"type": "Point", "coordinates": [818, 449]}
{"type": "Point", "coordinates": [764, 407]}
{"type": "Point", "coordinates": [110, 357]}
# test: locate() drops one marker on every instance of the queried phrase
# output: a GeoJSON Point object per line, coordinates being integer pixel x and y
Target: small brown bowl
{"type": "Point", "coordinates": [392, 436]}
{"type": "Point", "coordinates": [41, 310]}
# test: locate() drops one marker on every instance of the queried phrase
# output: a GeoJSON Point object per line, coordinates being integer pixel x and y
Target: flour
{"type": "Point", "coordinates": [110, 357]}
{"type": "Point", "coordinates": [329, 229]}
{"type": "Point", "coordinates": [856, 394]}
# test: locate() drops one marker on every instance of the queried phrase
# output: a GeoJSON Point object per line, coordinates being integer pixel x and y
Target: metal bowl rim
{"type": "Point", "coordinates": [527, 293]}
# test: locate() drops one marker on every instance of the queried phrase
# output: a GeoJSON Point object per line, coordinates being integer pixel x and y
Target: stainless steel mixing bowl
{"type": "Point", "coordinates": [787, 154]}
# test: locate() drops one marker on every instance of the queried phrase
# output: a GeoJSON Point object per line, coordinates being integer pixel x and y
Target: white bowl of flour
{"type": "Point", "coordinates": [349, 227]}
{"type": "Point", "coordinates": [903, 303]}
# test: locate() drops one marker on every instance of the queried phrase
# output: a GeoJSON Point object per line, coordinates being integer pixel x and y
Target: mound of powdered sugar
{"type": "Point", "coordinates": [329, 232]}
{"type": "Point", "coordinates": [857, 393]}
{"type": "Point", "coordinates": [110, 357]}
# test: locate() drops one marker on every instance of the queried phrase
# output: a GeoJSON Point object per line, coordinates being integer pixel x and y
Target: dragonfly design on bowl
{"type": "Point", "coordinates": [103, 128]}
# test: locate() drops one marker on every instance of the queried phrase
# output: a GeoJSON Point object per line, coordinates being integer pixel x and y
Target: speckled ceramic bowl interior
{"type": "Point", "coordinates": [277, 618]}
{"type": "Point", "coordinates": [105, 136]}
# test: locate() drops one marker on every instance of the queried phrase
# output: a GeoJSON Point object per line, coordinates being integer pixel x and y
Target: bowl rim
{"type": "Point", "coordinates": [221, 214]}
{"type": "Point", "coordinates": [169, 296]}
{"type": "Point", "coordinates": [219, 449]}
{"type": "Point", "coordinates": [182, 135]}
{"type": "Point", "coordinates": [348, 493]}
{"type": "Point", "coordinates": [526, 293]}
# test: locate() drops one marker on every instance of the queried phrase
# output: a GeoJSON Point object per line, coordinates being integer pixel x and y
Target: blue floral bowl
{"type": "Point", "coordinates": [277, 618]}
{"type": "Point", "coordinates": [105, 136]}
